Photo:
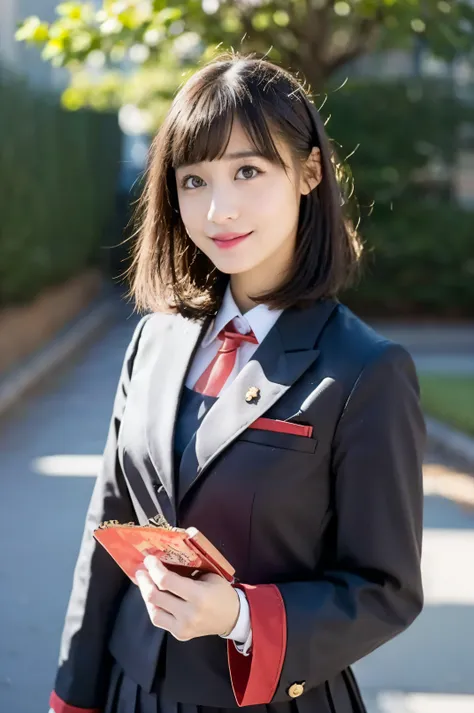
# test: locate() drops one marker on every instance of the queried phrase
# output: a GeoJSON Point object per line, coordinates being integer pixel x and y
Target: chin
{"type": "Point", "coordinates": [229, 267]}
{"type": "Point", "coordinates": [232, 264]}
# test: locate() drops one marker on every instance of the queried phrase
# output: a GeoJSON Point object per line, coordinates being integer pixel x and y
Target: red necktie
{"type": "Point", "coordinates": [216, 374]}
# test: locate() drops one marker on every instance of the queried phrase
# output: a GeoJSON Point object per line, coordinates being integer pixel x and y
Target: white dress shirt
{"type": "Point", "coordinates": [260, 320]}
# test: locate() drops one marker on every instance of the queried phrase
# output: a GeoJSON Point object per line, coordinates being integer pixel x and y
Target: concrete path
{"type": "Point", "coordinates": [430, 338]}
{"type": "Point", "coordinates": [435, 348]}
{"type": "Point", "coordinates": [50, 448]}
{"type": "Point", "coordinates": [430, 667]}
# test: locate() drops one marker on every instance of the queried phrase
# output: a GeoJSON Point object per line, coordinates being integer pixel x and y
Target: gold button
{"type": "Point", "coordinates": [296, 689]}
{"type": "Point", "coordinates": [252, 393]}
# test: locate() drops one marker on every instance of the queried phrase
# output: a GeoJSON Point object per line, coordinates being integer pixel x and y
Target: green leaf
{"type": "Point", "coordinates": [32, 30]}
{"type": "Point", "coordinates": [72, 99]}
{"type": "Point", "coordinates": [281, 18]}
{"type": "Point", "coordinates": [81, 42]}
{"type": "Point", "coordinates": [53, 48]}
{"type": "Point", "coordinates": [168, 15]}
{"type": "Point", "coordinates": [59, 32]}
{"type": "Point", "coordinates": [261, 20]}
{"type": "Point", "coordinates": [72, 10]}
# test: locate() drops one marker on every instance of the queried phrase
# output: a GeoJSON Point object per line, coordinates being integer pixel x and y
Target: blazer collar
{"type": "Point", "coordinates": [283, 356]}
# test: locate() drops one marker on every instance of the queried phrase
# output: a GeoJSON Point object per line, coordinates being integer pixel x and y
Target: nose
{"type": "Point", "coordinates": [223, 208]}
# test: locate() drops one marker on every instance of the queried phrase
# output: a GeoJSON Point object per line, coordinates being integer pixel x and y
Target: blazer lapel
{"type": "Point", "coordinates": [284, 355]}
{"type": "Point", "coordinates": [179, 343]}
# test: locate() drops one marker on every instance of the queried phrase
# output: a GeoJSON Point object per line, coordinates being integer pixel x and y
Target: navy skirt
{"type": "Point", "coordinates": [126, 696]}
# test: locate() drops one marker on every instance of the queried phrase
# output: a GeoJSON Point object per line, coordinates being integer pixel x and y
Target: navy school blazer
{"type": "Point", "coordinates": [324, 531]}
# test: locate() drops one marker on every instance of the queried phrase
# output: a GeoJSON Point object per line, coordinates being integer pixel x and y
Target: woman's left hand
{"type": "Point", "coordinates": [185, 607]}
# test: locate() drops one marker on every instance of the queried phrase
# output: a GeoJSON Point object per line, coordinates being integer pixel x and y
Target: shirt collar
{"type": "Point", "coordinates": [260, 319]}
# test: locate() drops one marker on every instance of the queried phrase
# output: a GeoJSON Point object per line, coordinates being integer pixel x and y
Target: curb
{"type": "Point", "coordinates": [70, 339]}
{"type": "Point", "coordinates": [453, 441]}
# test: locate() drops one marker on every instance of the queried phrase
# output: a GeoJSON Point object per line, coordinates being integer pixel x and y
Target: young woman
{"type": "Point", "coordinates": [256, 407]}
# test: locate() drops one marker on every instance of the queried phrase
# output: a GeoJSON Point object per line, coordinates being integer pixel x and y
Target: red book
{"type": "Point", "coordinates": [185, 551]}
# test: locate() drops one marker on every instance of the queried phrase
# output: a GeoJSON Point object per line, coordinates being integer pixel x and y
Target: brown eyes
{"type": "Point", "coordinates": [188, 178]}
{"type": "Point", "coordinates": [243, 169]}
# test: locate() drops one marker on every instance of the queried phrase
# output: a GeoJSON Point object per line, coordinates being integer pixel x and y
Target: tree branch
{"type": "Point", "coordinates": [363, 41]}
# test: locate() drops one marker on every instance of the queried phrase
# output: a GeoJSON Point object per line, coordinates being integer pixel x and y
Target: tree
{"type": "Point", "coordinates": [158, 42]}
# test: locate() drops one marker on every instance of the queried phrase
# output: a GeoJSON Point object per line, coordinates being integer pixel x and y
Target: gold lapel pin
{"type": "Point", "coordinates": [252, 393]}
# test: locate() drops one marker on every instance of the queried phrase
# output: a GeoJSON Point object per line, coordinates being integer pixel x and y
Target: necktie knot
{"type": "Point", "coordinates": [232, 339]}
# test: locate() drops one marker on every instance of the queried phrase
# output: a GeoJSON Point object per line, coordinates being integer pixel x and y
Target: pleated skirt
{"type": "Point", "coordinates": [126, 696]}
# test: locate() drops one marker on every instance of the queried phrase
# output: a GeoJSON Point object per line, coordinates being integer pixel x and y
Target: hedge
{"type": "Point", "coordinates": [419, 241]}
{"type": "Point", "coordinates": [58, 177]}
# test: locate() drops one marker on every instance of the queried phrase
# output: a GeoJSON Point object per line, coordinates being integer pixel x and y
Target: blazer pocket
{"type": "Point", "coordinates": [275, 424]}
{"type": "Point", "coordinates": [259, 432]}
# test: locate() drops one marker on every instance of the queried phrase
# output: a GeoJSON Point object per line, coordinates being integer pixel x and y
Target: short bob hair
{"type": "Point", "coordinates": [168, 272]}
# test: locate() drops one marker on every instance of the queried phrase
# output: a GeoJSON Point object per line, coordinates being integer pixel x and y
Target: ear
{"type": "Point", "coordinates": [311, 175]}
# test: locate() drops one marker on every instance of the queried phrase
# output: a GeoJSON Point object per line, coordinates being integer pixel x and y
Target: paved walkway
{"type": "Point", "coordinates": [429, 668]}
{"type": "Point", "coordinates": [435, 348]}
{"type": "Point", "coordinates": [430, 338]}
{"type": "Point", "coordinates": [50, 448]}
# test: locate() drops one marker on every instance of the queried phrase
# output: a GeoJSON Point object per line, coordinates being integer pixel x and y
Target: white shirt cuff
{"type": "Point", "coordinates": [241, 634]}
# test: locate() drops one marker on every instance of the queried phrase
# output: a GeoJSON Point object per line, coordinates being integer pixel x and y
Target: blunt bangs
{"type": "Point", "coordinates": [202, 130]}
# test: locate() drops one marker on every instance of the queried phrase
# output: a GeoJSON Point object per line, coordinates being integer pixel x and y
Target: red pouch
{"type": "Point", "coordinates": [185, 551]}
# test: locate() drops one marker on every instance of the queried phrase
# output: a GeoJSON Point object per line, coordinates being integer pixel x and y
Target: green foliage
{"type": "Point", "coordinates": [57, 185]}
{"type": "Point", "coordinates": [396, 129]}
{"type": "Point", "coordinates": [449, 399]}
{"type": "Point", "coordinates": [420, 262]}
{"type": "Point", "coordinates": [317, 38]}
{"type": "Point", "coordinates": [419, 242]}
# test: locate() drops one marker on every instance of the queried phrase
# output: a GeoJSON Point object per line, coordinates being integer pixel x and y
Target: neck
{"type": "Point", "coordinates": [240, 291]}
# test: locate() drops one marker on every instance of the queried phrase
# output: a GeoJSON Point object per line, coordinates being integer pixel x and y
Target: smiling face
{"type": "Point", "coordinates": [243, 194]}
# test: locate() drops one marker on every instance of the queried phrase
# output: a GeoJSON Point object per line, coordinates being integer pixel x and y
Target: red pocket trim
{"type": "Point", "coordinates": [273, 424]}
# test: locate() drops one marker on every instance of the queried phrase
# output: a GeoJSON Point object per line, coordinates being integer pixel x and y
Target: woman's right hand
{"type": "Point", "coordinates": [185, 607]}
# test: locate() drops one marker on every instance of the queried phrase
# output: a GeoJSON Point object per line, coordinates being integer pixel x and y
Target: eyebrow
{"type": "Point", "coordinates": [242, 154]}
{"type": "Point", "coordinates": [249, 153]}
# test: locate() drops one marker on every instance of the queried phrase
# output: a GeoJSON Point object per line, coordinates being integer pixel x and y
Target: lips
{"type": "Point", "coordinates": [230, 240]}
{"type": "Point", "coordinates": [230, 236]}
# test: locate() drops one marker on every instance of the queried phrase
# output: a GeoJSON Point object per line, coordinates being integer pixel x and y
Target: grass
{"type": "Point", "coordinates": [449, 399]}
